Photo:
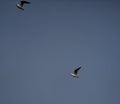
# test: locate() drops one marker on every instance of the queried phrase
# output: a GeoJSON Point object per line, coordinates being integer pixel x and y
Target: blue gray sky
{"type": "Point", "coordinates": [42, 45]}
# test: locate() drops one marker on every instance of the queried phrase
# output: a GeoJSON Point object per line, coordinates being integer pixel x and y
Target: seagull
{"type": "Point", "coordinates": [74, 74]}
{"type": "Point", "coordinates": [22, 2]}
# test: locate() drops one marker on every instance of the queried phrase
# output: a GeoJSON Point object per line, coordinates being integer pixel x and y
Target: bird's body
{"type": "Point", "coordinates": [19, 6]}
{"type": "Point", "coordinates": [22, 2]}
{"type": "Point", "coordinates": [74, 74]}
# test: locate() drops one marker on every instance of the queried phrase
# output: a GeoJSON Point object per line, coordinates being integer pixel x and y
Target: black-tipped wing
{"type": "Point", "coordinates": [24, 2]}
{"type": "Point", "coordinates": [76, 70]}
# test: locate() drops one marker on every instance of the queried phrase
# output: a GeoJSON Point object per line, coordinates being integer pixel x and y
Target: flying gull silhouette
{"type": "Point", "coordinates": [74, 74]}
{"type": "Point", "coordinates": [21, 3]}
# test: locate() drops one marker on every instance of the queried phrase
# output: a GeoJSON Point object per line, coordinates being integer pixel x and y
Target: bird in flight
{"type": "Point", "coordinates": [74, 74]}
{"type": "Point", "coordinates": [21, 3]}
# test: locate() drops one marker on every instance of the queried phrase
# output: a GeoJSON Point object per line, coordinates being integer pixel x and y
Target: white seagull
{"type": "Point", "coordinates": [22, 2]}
{"type": "Point", "coordinates": [74, 74]}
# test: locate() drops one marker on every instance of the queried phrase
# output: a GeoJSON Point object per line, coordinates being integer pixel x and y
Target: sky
{"type": "Point", "coordinates": [42, 45]}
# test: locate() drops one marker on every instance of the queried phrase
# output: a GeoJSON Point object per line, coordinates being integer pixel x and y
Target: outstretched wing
{"type": "Point", "coordinates": [76, 70]}
{"type": "Point", "coordinates": [24, 2]}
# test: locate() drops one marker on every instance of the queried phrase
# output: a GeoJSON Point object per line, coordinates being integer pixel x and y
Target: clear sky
{"type": "Point", "coordinates": [42, 45]}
